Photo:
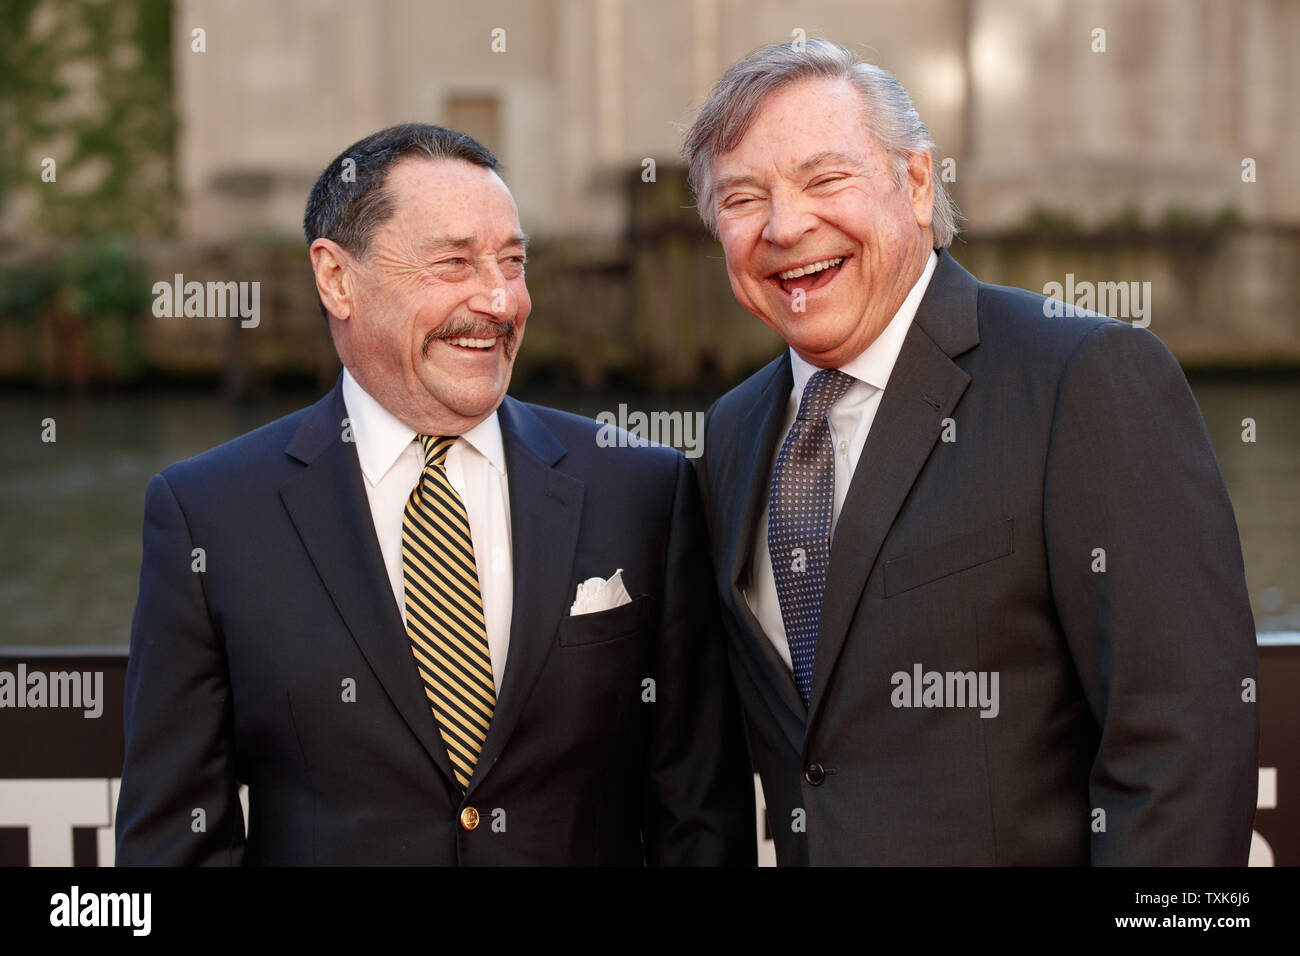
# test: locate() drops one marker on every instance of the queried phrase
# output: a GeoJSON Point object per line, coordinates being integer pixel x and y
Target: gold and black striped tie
{"type": "Point", "coordinates": [444, 611]}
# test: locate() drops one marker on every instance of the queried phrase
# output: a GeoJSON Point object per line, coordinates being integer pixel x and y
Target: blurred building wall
{"type": "Point", "coordinates": [1099, 139]}
{"type": "Point", "coordinates": [1037, 119]}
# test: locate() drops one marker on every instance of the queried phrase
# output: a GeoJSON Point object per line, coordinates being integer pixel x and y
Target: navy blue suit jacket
{"type": "Point", "coordinates": [284, 665]}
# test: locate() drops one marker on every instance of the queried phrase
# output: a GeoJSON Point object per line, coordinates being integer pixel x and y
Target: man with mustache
{"type": "Point", "coordinates": [432, 624]}
{"type": "Point", "coordinates": [980, 572]}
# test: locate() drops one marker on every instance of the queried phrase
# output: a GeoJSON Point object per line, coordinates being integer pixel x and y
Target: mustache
{"type": "Point", "coordinates": [473, 328]}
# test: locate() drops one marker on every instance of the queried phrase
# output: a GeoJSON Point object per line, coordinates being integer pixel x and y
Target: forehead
{"type": "Point", "coordinates": [441, 195]}
{"type": "Point", "coordinates": [798, 123]}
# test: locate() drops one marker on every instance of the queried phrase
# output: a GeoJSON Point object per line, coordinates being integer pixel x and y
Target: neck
{"type": "Point", "coordinates": [417, 415]}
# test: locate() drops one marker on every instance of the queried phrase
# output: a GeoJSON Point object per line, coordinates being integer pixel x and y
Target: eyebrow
{"type": "Point", "coordinates": [455, 243]}
{"type": "Point", "coordinates": [828, 157]}
{"type": "Point", "coordinates": [731, 182]}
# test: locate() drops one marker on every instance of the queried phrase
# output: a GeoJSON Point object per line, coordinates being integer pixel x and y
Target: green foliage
{"type": "Point", "coordinates": [107, 290]}
{"type": "Point", "coordinates": [1045, 219]}
{"type": "Point", "coordinates": [88, 84]}
{"type": "Point", "coordinates": [1180, 219]}
{"type": "Point", "coordinates": [105, 279]}
{"type": "Point", "coordinates": [1126, 219]}
{"type": "Point", "coordinates": [25, 291]}
{"type": "Point", "coordinates": [1228, 216]}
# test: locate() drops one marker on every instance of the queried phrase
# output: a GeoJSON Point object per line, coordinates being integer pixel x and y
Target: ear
{"type": "Point", "coordinates": [920, 187]}
{"type": "Point", "coordinates": [332, 264]}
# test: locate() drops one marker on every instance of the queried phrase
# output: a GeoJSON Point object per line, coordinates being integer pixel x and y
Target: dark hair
{"type": "Point", "coordinates": [349, 201]}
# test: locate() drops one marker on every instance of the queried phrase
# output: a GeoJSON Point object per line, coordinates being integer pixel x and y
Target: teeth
{"type": "Point", "coordinates": [473, 343]}
{"type": "Point", "coordinates": [809, 270]}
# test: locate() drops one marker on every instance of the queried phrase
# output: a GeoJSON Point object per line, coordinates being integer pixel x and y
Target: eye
{"type": "Point", "coordinates": [512, 267]}
{"type": "Point", "coordinates": [827, 180]}
{"type": "Point", "coordinates": [454, 261]}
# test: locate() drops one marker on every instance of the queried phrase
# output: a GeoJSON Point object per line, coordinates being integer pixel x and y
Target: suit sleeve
{"type": "Point", "coordinates": [1147, 578]}
{"type": "Point", "coordinates": [177, 711]}
{"type": "Point", "coordinates": [699, 791]}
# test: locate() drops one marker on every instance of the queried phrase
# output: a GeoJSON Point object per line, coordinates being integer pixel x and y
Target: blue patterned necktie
{"type": "Point", "coordinates": [799, 520]}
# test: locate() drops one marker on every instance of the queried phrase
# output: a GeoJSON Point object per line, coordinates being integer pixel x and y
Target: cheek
{"type": "Point", "coordinates": [384, 309]}
{"type": "Point", "coordinates": [736, 245]}
{"type": "Point", "coordinates": [737, 285]}
{"type": "Point", "coordinates": [744, 285]}
{"type": "Point", "coordinates": [867, 217]}
{"type": "Point", "coordinates": [524, 300]}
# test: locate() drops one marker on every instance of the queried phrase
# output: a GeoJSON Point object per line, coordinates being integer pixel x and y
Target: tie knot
{"type": "Point", "coordinates": [436, 448]}
{"type": "Point", "coordinates": [824, 389]}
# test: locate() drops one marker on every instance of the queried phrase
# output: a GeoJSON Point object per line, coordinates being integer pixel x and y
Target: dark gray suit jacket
{"type": "Point", "coordinates": [1121, 736]}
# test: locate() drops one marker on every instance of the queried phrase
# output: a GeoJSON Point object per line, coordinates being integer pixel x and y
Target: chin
{"type": "Point", "coordinates": [827, 336]}
{"type": "Point", "coordinates": [478, 406]}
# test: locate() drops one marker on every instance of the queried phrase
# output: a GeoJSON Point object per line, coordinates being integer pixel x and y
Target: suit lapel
{"type": "Point", "coordinates": [923, 389]}
{"type": "Point", "coordinates": [545, 517]}
{"type": "Point", "coordinates": [328, 505]}
{"type": "Point", "coordinates": [763, 423]}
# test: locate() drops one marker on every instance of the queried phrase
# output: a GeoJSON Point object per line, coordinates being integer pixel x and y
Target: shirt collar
{"type": "Point", "coordinates": [876, 362]}
{"type": "Point", "coordinates": [381, 437]}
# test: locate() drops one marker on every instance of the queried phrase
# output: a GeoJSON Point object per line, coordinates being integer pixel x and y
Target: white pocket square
{"type": "Point", "coordinates": [597, 594]}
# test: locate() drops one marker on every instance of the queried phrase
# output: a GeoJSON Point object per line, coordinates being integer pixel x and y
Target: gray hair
{"type": "Point", "coordinates": [888, 114]}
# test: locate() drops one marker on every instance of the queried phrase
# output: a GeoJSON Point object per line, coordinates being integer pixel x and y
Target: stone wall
{"type": "Point", "coordinates": [655, 309]}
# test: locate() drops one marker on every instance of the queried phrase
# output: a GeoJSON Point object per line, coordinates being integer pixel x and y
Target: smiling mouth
{"type": "Point", "coordinates": [809, 277]}
{"type": "Point", "coordinates": [471, 337]}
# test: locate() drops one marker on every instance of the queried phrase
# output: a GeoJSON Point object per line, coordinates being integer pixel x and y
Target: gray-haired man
{"type": "Point", "coordinates": [981, 576]}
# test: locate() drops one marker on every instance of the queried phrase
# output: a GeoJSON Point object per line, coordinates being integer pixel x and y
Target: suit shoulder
{"type": "Point", "coordinates": [240, 456]}
{"type": "Point", "coordinates": [735, 404]}
{"type": "Point", "coordinates": [1026, 337]}
{"type": "Point", "coordinates": [1039, 327]}
{"type": "Point", "coordinates": [581, 435]}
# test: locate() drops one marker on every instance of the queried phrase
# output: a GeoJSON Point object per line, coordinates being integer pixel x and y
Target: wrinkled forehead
{"type": "Point", "coordinates": [450, 197]}
{"type": "Point", "coordinates": [797, 127]}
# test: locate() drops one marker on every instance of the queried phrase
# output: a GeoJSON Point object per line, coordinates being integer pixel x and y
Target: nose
{"type": "Point", "coordinates": [788, 220]}
{"type": "Point", "coordinates": [493, 295]}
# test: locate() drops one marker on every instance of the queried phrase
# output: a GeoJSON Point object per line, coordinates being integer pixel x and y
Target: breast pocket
{"type": "Point", "coordinates": [958, 554]}
{"type": "Point", "coordinates": [603, 626]}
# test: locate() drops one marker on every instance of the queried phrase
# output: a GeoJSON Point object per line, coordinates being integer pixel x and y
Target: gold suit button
{"type": "Point", "coordinates": [469, 818]}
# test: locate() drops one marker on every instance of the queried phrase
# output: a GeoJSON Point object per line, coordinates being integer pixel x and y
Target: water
{"type": "Point", "coordinates": [71, 510]}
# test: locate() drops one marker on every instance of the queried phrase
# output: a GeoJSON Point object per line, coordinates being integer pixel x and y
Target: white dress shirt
{"type": "Point", "coordinates": [392, 462]}
{"type": "Point", "coordinates": [850, 421]}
